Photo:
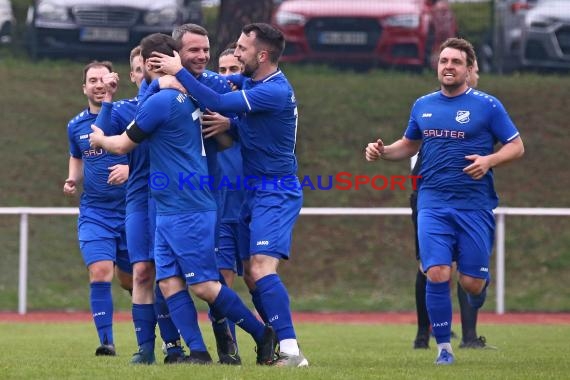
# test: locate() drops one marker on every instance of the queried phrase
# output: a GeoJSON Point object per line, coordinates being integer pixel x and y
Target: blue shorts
{"type": "Point", "coordinates": [105, 250]}
{"type": "Point", "coordinates": [140, 226]}
{"type": "Point", "coordinates": [228, 254]}
{"type": "Point", "coordinates": [267, 219]}
{"type": "Point", "coordinates": [464, 236]}
{"type": "Point", "coordinates": [184, 247]}
{"type": "Point", "coordinates": [102, 237]}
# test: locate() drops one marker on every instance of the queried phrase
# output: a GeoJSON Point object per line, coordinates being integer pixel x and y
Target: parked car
{"type": "Point", "coordinates": [380, 32]}
{"type": "Point", "coordinates": [7, 21]}
{"type": "Point", "coordinates": [102, 28]}
{"type": "Point", "coordinates": [545, 37]}
{"type": "Point", "coordinates": [509, 16]}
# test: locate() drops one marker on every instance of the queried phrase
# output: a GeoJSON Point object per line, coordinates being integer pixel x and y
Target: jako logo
{"type": "Point", "coordinates": [442, 324]}
{"type": "Point", "coordinates": [272, 319]}
{"type": "Point", "coordinates": [99, 314]}
{"type": "Point", "coordinates": [263, 242]}
{"type": "Point", "coordinates": [484, 269]}
{"type": "Point", "coordinates": [188, 275]}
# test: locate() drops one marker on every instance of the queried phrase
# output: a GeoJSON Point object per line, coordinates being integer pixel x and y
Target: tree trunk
{"type": "Point", "coordinates": [234, 15]}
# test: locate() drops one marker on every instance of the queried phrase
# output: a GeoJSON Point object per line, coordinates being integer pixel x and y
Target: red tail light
{"type": "Point", "coordinates": [520, 6]}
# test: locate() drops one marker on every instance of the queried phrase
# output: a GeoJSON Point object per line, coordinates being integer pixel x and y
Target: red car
{"type": "Point", "coordinates": [371, 32]}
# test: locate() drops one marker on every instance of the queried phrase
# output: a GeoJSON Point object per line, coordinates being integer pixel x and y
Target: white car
{"type": "Point", "coordinates": [102, 29]}
{"type": "Point", "coordinates": [545, 38]}
{"type": "Point", "coordinates": [508, 20]}
{"type": "Point", "coordinates": [7, 21]}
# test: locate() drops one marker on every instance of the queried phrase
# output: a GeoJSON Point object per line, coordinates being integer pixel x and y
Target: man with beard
{"type": "Point", "coordinates": [267, 130]}
{"type": "Point", "coordinates": [469, 338]}
{"type": "Point", "coordinates": [457, 128]}
{"type": "Point", "coordinates": [186, 211]}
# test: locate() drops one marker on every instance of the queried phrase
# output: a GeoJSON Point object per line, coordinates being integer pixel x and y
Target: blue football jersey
{"type": "Point", "coordinates": [450, 129]}
{"type": "Point", "coordinates": [177, 154]}
{"type": "Point", "coordinates": [139, 164]}
{"type": "Point", "coordinates": [269, 116]}
{"type": "Point", "coordinates": [232, 194]}
{"type": "Point", "coordinates": [219, 84]}
{"type": "Point", "coordinates": [96, 162]}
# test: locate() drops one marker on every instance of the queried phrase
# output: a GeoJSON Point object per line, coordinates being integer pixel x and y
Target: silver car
{"type": "Point", "coordinates": [545, 37]}
{"type": "Point", "coordinates": [6, 21]}
{"type": "Point", "coordinates": [102, 28]}
{"type": "Point", "coordinates": [509, 16]}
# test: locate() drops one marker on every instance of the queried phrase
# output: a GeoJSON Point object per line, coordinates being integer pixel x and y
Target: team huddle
{"type": "Point", "coordinates": [160, 237]}
{"type": "Point", "coordinates": [179, 238]}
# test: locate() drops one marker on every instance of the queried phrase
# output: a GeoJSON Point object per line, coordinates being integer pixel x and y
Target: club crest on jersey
{"type": "Point", "coordinates": [462, 117]}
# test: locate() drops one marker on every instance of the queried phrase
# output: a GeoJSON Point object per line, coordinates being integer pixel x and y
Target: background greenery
{"type": "Point", "coordinates": [358, 263]}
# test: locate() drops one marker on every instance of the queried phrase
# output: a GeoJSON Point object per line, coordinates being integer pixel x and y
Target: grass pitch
{"type": "Point", "coordinates": [66, 351]}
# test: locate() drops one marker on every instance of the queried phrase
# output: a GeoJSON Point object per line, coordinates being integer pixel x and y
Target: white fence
{"type": "Point", "coordinates": [500, 214]}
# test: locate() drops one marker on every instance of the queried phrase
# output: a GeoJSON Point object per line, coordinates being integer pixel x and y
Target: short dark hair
{"type": "Point", "coordinates": [269, 36]}
{"type": "Point", "coordinates": [181, 30]}
{"type": "Point", "coordinates": [461, 45]}
{"type": "Point", "coordinates": [159, 42]}
{"type": "Point", "coordinates": [93, 64]}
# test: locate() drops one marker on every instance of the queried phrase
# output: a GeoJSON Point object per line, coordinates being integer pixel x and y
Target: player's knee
{"type": "Point", "coordinates": [207, 291]}
{"type": "Point", "coordinates": [439, 273]}
{"type": "Point", "coordinates": [143, 275]}
{"type": "Point", "coordinates": [101, 271]}
{"type": "Point", "coordinates": [170, 286]}
{"type": "Point", "coordinates": [143, 280]}
{"type": "Point", "coordinates": [472, 285]}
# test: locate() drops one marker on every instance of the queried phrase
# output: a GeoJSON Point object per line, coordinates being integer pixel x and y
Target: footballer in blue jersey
{"type": "Point", "coordinates": [231, 190]}
{"type": "Point", "coordinates": [186, 212]}
{"type": "Point", "coordinates": [267, 107]}
{"type": "Point", "coordinates": [101, 222]}
{"type": "Point", "coordinates": [457, 128]}
{"type": "Point", "coordinates": [148, 305]}
{"type": "Point", "coordinates": [195, 55]}
{"type": "Point", "coordinates": [232, 197]}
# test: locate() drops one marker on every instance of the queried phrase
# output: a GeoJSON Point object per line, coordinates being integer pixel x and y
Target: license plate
{"type": "Point", "coordinates": [343, 38]}
{"type": "Point", "coordinates": [104, 35]}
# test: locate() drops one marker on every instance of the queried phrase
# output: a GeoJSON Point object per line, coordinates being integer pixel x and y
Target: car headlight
{"type": "Point", "coordinates": [410, 21]}
{"type": "Point", "coordinates": [283, 18]}
{"type": "Point", "coordinates": [51, 12]}
{"type": "Point", "coordinates": [161, 17]}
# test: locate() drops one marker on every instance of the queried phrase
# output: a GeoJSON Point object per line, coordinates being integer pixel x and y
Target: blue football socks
{"type": "Point", "coordinates": [275, 303]}
{"type": "Point", "coordinates": [256, 299]}
{"type": "Point", "coordinates": [185, 318]}
{"type": "Point", "coordinates": [229, 304]}
{"type": "Point", "coordinates": [144, 320]}
{"type": "Point", "coordinates": [438, 301]}
{"type": "Point", "coordinates": [168, 331]}
{"type": "Point", "coordinates": [102, 310]}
